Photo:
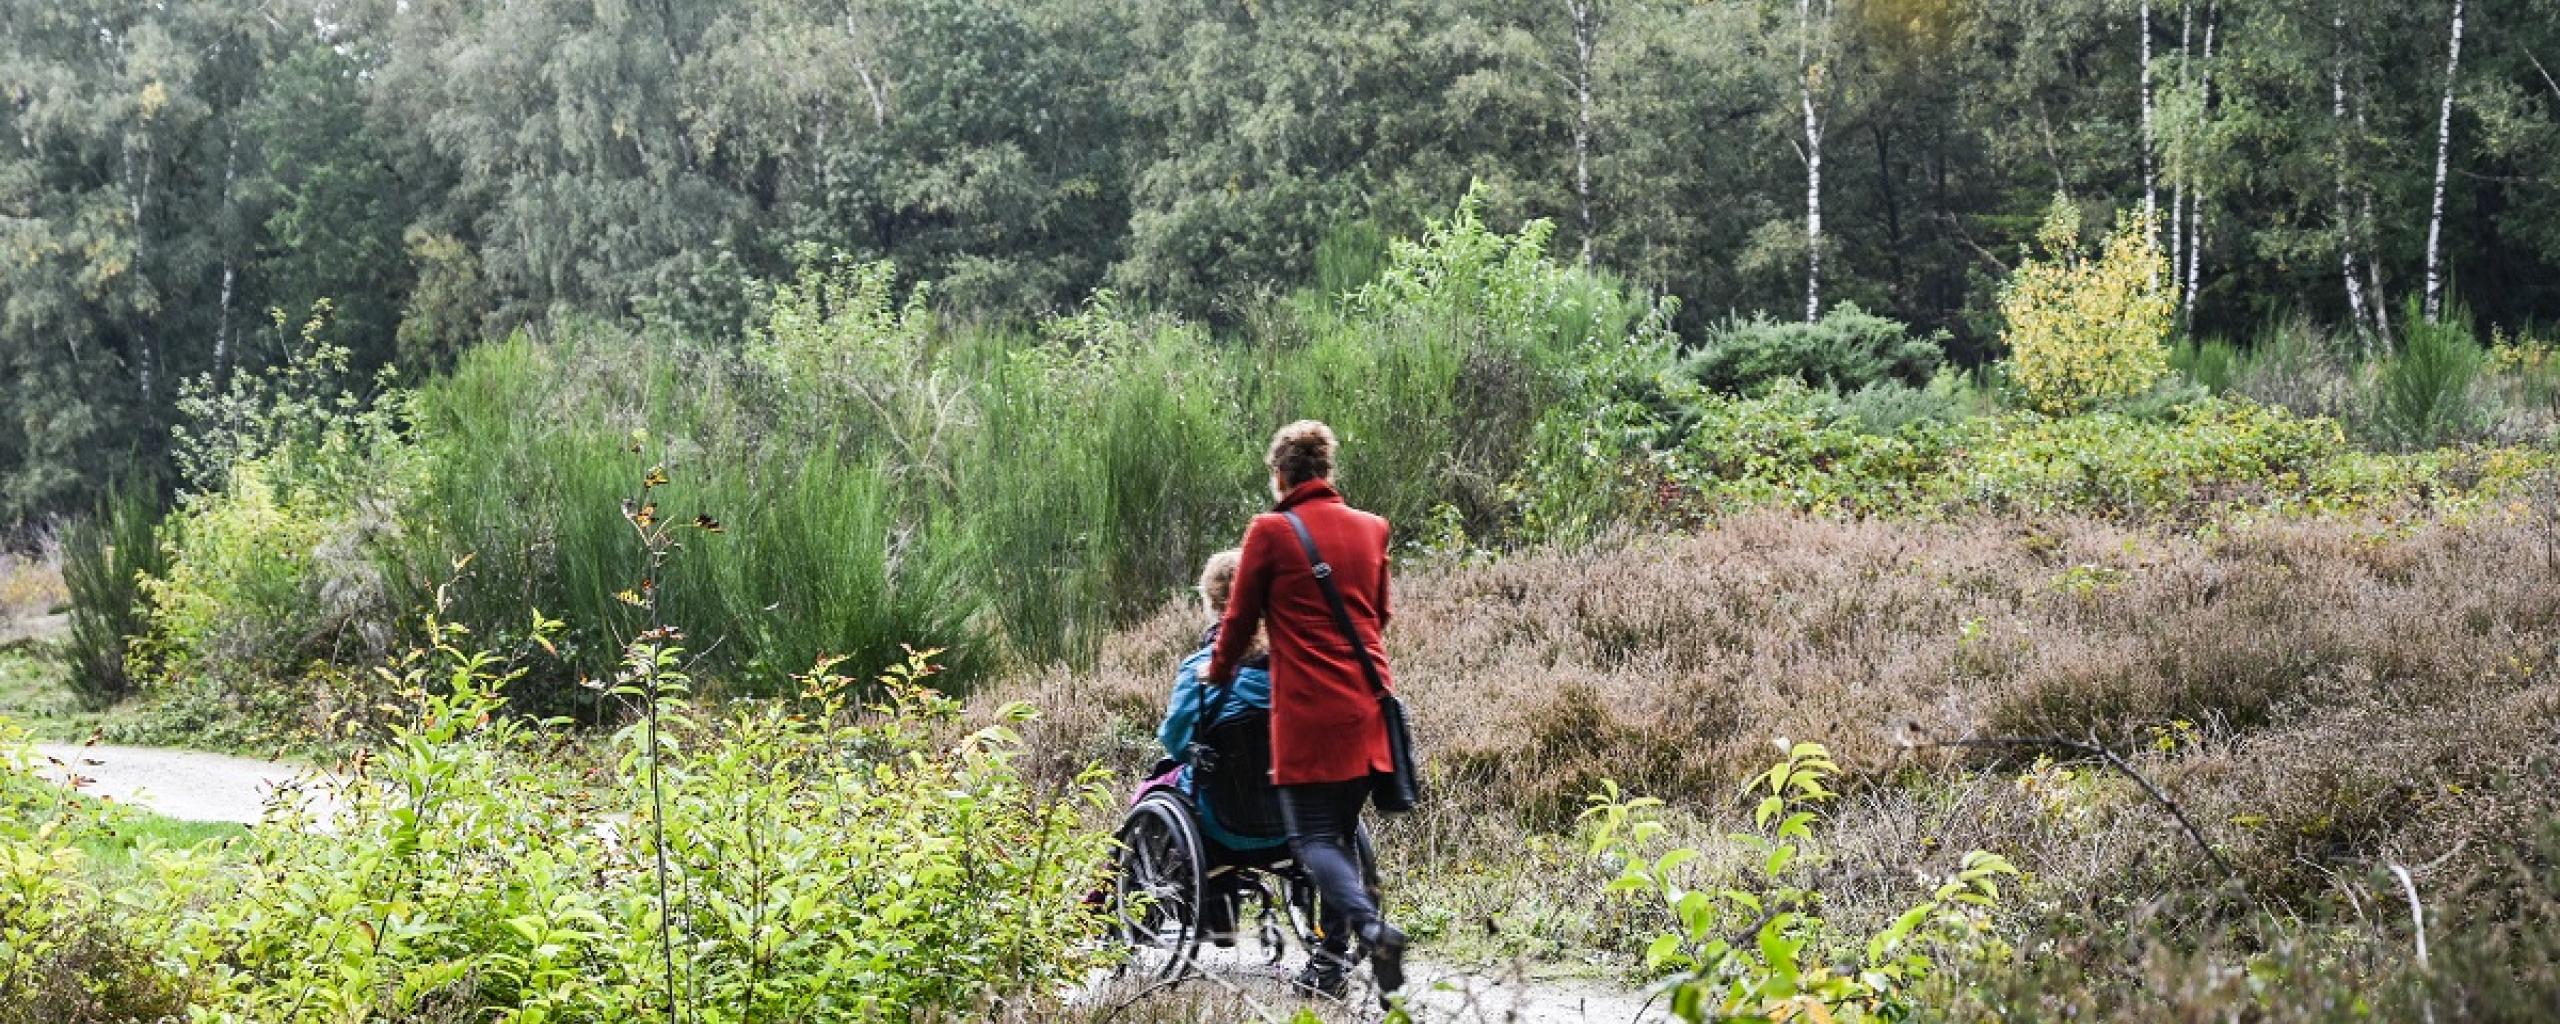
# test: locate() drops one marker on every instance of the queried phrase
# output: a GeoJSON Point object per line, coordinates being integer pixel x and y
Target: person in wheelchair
{"type": "Point", "coordinates": [1220, 756]}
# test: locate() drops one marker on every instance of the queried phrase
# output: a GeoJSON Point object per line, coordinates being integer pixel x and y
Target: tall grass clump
{"type": "Point", "coordinates": [2210, 363]}
{"type": "Point", "coordinates": [1112, 455]}
{"type": "Point", "coordinates": [2295, 363]}
{"type": "Point", "coordinates": [823, 557]}
{"type": "Point", "coordinates": [105, 558]}
{"type": "Point", "coordinates": [2426, 393]}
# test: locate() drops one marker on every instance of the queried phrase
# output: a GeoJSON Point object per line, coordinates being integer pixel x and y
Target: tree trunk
{"type": "Point", "coordinates": [2444, 159]}
{"type": "Point", "coordinates": [2195, 211]}
{"type": "Point", "coordinates": [862, 69]}
{"type": "Point", "coordinates": [1585, 39]}
{"type": "Point", "coordinates": [2178, 173]}
{"type": "Point", "coordinates": [2150, 172]}
{"type": "Point", "coordinates": [222, 329]}
{"type": "Point", "coordinates": [1892, 205]}
{"type": "Point", "coordinates": [2346, 215]}
{"type": "Point", "coordinates": [1808, 72]}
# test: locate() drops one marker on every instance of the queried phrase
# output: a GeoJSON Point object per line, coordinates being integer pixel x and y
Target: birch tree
{"type": "Point", "coordinates": [2194, 248]}
{"type": "Point", "coordinates": [2444, 159]}
{"type": "Point", "coordinates": [1586, 32]}
{"type": "Point", "coordinates": [1812, 61]}
{"type": "Point", "coordinates": [2150, 168]}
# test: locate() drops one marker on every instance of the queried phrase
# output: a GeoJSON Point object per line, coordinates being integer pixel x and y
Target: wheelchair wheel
{"type": "Point", "coordinates": [1159, 892]}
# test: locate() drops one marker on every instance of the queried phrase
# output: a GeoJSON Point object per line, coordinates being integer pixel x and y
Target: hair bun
{"type": "Point", "coordinates": [1302, 451]}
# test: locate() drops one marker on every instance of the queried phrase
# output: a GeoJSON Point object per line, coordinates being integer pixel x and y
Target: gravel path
{"type": "Point", "coordinates": [1233, 986]}
{"type": "Point", "coordinates": [188, 785]}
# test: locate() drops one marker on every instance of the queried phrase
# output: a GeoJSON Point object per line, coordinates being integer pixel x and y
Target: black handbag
{"type": "Point", "coordinates": [1398, 791]}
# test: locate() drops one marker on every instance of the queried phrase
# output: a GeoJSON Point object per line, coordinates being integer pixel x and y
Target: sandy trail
{"type": "Point", "coordinates": [189, 785]}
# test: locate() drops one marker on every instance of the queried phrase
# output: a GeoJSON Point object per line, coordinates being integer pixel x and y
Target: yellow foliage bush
{"type": "Point", "coordinates": [2084, 330]}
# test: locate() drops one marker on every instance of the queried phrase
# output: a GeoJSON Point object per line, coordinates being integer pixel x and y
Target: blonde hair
{"type": "Point", "coordinates": [1302, 451]}
{"type": "Point", "coordinates": [1218, 577]}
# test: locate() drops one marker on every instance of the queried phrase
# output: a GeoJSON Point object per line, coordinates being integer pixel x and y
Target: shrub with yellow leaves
{"type": "Point", "coordinates": [2082, 330]}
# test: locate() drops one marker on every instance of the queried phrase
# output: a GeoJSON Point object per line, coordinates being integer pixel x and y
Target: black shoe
{"type": "Point", "coordinates": [1386, 954]}
{"type": "Point", "coordinates": [1323, 978]}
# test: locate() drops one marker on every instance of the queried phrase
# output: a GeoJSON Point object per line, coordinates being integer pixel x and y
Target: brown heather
{"type": "Point", "coordinates": [2352, 693]}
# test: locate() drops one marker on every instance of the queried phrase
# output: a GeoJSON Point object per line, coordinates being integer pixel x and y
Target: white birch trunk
{"type": "Point", "coordinates": [1585, 33]}
{"type": "Point", "coordinates": [222, 329]}
{"type": "Point", "coordinates": [2178, 172]}
{"type": "Point", "coordinates": [1807, 70]}
{"type": "Point", "coordinates": [2195, 211]}
{"type": "Point", "coordinates": [2346, 215]}
{"type": "Point", "coordinates": [862, 69]}
{"type": "Point", "coordinates": [2444, 160]}
{"type": "Point", "coordinates": [2150, 179]}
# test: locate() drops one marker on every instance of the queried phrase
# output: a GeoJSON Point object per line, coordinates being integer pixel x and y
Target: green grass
{"type": "Point", "coordinates": [35, 692]}
{"type": "Point", "coordinates": [113, 853]}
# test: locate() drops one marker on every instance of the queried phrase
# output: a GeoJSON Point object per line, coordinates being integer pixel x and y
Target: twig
{"type": "Point", "coordinates": [2093, 748]}
{"type": "Point", "coordinates": [2417, 920]}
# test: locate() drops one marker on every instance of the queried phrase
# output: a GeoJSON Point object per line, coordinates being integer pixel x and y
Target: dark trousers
{"type": "Point", "coordinates": [1321, 818]}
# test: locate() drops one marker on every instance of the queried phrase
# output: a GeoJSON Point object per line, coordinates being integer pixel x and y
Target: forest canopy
{"type": "Point", "coordinates": [183, 182]}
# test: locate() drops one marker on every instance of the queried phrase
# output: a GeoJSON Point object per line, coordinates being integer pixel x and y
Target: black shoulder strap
{"type": "Point", "coordinates": [1333, 597]}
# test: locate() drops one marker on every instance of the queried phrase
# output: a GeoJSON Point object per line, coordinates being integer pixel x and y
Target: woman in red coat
{"type": "Point", "coordinates": [1328, 739]}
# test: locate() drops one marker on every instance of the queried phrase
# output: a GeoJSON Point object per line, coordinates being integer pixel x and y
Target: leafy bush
{"type": "Point", "coordinates": [823, 860]}
{"type": "Point", "coordinates": [1759, 948]}
{"type": "Point", "coordinates": [2191, 459]}
{"type": "Point", "coordinates": [295, 485]}
{"type": "Point", "coordinates": [105, 558]}
{"type": "Point", "coordinates": [2087, 330]}
{"type": "Point", "coordinates": [2426, 393]}
{"type": "Point", "coordinates": [1847, 350]}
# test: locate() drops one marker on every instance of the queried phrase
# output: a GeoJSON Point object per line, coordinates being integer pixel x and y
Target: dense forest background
{"type": "Point", "coordinates": [180, 178]}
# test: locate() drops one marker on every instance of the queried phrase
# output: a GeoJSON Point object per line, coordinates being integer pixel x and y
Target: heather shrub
{"type": "Point", "coordinates": [2084, 330]}
{"type": "Point", "coordinates": [1847, 350]}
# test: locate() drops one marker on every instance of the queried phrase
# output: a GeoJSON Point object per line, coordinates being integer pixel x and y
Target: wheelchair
{"type": "Point", "coordinates": [1173, 879]}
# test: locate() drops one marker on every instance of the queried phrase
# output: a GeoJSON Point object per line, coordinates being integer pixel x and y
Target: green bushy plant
{"type": "Point", "coordinates": [1756, 947]}
{"type": "Point", "coordinates": [1847, 350]}
{"type": "Point", "coordinates": [2212, 363]}
{"type": "Point", "coordinates": [105, 558]}
{"type": "Point", "coordinates": [851, 853]}
{"type": "Point", "coordinates": [2426, 393]}
{"type": "Point", "coordinates": [295, 482]}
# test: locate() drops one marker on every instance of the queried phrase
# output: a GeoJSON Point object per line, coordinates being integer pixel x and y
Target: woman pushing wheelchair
{"type": "Point", "coordinates": [1212, 823]}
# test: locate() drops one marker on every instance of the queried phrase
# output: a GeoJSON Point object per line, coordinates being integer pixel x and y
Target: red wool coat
{"type": "Point", "coordinates": [1325, 725]}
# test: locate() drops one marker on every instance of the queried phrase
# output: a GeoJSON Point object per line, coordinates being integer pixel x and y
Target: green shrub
{"type": "Point", "coordinates": [2294, 364]}
{"type": "Point", "coordinates": [1847, 350]}
{"type": "Point", "coordinates": [295, 485]}
{"type": "Point", "coordinates": [1755, 945]}
{"type": "Point", "coordinates": [2426, 393]}
{"type": "Point", "coordinates": [2213, 364]}
{"type": "Point", "coordinates": [825, 860]}
{"type": "Point", "coordinates": [2190, 460]}
{"type": "Point", "coordinates": [105, 558]}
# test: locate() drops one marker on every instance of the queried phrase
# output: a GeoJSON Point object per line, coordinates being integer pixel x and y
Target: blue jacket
{"type": "Point", "coordinates": [1251, 689]}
